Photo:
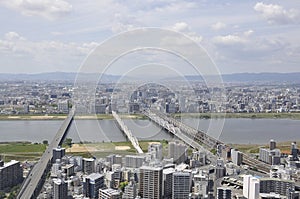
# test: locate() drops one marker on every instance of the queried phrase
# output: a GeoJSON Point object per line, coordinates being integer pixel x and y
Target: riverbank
{"type": "Point", "coordinates": [27, 151]}
{"type": "Point", "coordinates": [22, 151]}
{"type": "Point", "coordinates": [64, 116]}
{"type": "Point", "coordinates": [295, 116]}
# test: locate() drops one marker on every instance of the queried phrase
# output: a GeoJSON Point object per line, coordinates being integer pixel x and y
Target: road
{"type": "Point", "coordinates": [33, 179]}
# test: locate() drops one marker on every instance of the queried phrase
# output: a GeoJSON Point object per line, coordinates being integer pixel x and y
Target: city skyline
{"type": "Point", "coordinates": [48, 36]}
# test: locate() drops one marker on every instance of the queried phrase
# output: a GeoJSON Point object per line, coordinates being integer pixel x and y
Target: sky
{"type": "Point", "coordinates": [239, 36]}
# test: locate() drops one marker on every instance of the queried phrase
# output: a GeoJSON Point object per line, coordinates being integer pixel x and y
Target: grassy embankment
{"type": "Point", "coordinates": [21, 151]}
{"type": "Point", "coordinates": [285, 147]}
{"type": "Point", "coordinates": [141, 116]}
{"type": "Point", "coordinates": [28, 151]}
{"type": "Point", "coordinates": [241, 115]}
{"type": "Point", "coordinates": [63, 116]}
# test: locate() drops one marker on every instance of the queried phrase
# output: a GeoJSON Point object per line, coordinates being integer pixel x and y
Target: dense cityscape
{"type": "Point", "coordinates": [152, 99]}
{"type": "Point", "coordinates": [21, 97]}
{"type": "Point", "coordinates": [178, 168]}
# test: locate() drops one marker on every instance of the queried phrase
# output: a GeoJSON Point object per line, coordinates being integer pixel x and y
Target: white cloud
{"type": "Point", "coordinates": [181, 27]}
{"type": "Point", "coordinates": [248, 33]}
{"type": "Point", "coordinates": [13, 36]}
{"type": "Point", "coordinates": [186, 29]}
{"type": "Point", "coordinates": [228, 40]}
{"type": "Point", "coordinates": [49, 9]}
{"type": "Point", "coordinates": [274, 13]}
{"type": "Point", "coordinates": [49, 53]}
{"type": "Point", "coordinates": [218, 26]}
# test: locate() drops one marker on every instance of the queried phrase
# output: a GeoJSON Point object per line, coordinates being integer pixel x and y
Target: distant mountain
{"type": "Point", "coordinates": [262, 77]}
{"type": "Point", "coordinates": [237, 77]}
{"type": "Point", "coordinates": [55, 76]}
{"type": "Point", "coordinates": [255, 77]}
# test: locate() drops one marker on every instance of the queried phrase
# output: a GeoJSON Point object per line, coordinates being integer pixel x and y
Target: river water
{"type": "Point", "coordinates": [234, 130]}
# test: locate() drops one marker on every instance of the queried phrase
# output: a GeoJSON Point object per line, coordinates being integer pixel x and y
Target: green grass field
{"type": "Point", "coordinates": [21, 151]}
{"type": "Point", "coordinates": [240, 115]}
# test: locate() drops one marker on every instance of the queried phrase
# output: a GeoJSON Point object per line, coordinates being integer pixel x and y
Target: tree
{"type": "Point", "coordinates": [45, 142]}
{"type": "Point", "coordinates": [68, 142]}
{"type": "Point", "coordinates": [2, 195]}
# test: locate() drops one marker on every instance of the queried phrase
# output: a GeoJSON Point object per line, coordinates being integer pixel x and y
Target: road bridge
{"type": "Point", "coordinates": [33, 183]}
{"type": "Point", "coordinates": [134, 141]}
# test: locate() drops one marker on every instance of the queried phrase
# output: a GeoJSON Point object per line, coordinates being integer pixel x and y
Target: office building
{"type": "Point", "coordinates": [91, 185]}
{"type": "Point", "coordinates": [60, 189]}
{"type": "Point", "coordinates": [250, 187]}
{"type": "Point", "coordinates": [88, 165]}
{"type": "Point", "coordinates": [236, 157]}
{"type": "Point", "coordinates": [292, 194]}
{"type": "Point", "coordinates": [272, 145]}
{"type": "Point", "coordinates": [58, 153]}
{"type": "Point", "coordinates": [168, 182]}
{"type": "Point", "coordinates": [134, 161]}
{"type": "Point", "coordinates": [150, 182]}
{"type": "Point", "coordinates": [114, 159]}
{"type": "Point", "coordinates": [11, 174]}
{"type": "Point", "coordinates": [220, 169]}
{"type": "Point", "coordinates": [294, 151]}
{"type": "Point", "coordinates": [201, 184]}
{"type": "Point", "coordinates": [109, 194]}
{"type": "Point", "coordinates": [182, 182]}
{"type": "Point", "coordinates": [223, 193]}
{"type": "Point", "coordinates": [155, 150]}
{"type": "Point", "coordinates": [177, 151]}
{"type": "Point", "coordinates": [130, 190]}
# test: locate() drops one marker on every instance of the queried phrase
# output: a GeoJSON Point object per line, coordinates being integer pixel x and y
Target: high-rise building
{"type": "Point", "coordinates": [60, 189]}
{"type": "Point", "coordinates": [168, 182]}
{"type": "Point", "coordinates": [134, 161]}
{"type": "Point", "coordinates": [114, 159]}
{"type": "Point", "coordinates": [58, 153]}
{"type": "Point", "coordinates": [56, 168]}
{"type": "Point", "coordinates": [250, 187]}
{"type": "Point", "coordinates": [272, 145]}
{"type": "Point", "coordinates": [130, 190]}
{"type": "Point", "coordinates": [201, 184]}
{"type": "Point", "coordinates": [275, 185]}
{"type": "Point", "coordinates": [182, 182]}
{"type": "Point", "coordinates": [11, 174]}
{"type": "Point", "coordinates": [292, 194]}
{"type": "Point", "coordinates": [91, 185]}
{"type": "Point", "coordinates": [270, 156]}
{"type": "Point", "coordinates": [294, 151]}
{"type": "Point", "coordinates": [177, 151]}
{"type": "Point", "coordinates": [150, 182]}
{"type": "Point", "coordinates": [155, 150]}
{"type": "Point", "coordinates": [88, 165]}
{"type": "Point", "coordinates": [236, 157]}
{"type": "Point", "coordinates": [223, 193]}
{"type": "Point", "coordinates": [220, 169]}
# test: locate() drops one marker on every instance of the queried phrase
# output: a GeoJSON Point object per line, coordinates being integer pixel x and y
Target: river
{"type": "Point", "coordinates": [235, 130]}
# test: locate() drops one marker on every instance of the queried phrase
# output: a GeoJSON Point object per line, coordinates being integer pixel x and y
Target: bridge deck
{"type": "Point", "coordinates": [33, 179]}
{"type": "Point", "coordinates": [134, 141]}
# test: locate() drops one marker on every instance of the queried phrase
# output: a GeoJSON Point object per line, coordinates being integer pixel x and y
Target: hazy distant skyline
{"type": "Point", "coordinates": [240, 36]}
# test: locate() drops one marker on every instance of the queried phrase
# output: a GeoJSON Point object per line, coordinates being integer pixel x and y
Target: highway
{"type": "Point", "coordinates": [30, 187]}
